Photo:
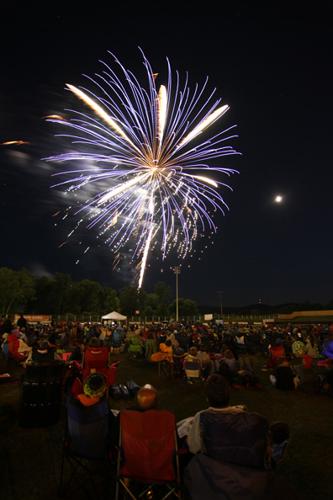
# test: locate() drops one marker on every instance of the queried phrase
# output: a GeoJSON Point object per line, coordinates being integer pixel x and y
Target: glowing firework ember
{"type": "Point", "coordinates": [143, 166]}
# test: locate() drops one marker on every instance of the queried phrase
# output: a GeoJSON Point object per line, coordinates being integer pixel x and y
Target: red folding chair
{"type": "Point", "coordinates": [148, 455]}
{"type": "Point", "coordinates": [277, 352]}
{"type": "Point", "coordinates": [65, 356]}
{"type": "Point", "coordinates": [13, 346]}
{"type": "Point", "coordinates": [97, 359]}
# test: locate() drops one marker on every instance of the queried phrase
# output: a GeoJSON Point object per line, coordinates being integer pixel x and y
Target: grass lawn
{"type": "Point", "coordinates": [30, 458]}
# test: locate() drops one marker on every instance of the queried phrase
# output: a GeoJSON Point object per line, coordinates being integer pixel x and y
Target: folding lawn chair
{"type": "Point", "coordinates": [148, 455]}
{"type": "Point", "coordinates": [97, 359]}
{"type": "Point", "coordinates": [86, 447]}
{"type": "Point", "coordinates": [41, 394]}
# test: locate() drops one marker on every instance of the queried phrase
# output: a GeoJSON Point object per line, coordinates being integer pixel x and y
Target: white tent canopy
{"type": "Point", "coordinates": [115, 316]}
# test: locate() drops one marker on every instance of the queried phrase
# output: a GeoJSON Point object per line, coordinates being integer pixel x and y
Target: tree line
{"type": "Point", "coordinates": [20, 291]}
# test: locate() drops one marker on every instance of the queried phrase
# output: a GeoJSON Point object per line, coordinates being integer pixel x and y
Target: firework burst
{"type": "Point", "coordinates": [143, 161]}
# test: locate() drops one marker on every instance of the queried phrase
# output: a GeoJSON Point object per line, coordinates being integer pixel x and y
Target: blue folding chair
{"type": "Point", "coordinates": [86, 445]}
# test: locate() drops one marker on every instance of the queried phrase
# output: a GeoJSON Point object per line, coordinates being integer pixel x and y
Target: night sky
{"type": "Point", "coordinates": [273, 68]}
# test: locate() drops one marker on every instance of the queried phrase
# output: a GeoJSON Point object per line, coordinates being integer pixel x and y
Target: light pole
{"type": "Point", "coordinates": [220, 294]}
{"type": "Point", "coordinates": [176, 270]}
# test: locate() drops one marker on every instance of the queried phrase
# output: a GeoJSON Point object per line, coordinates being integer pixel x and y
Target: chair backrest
{"type": "Point", "coordinates": [237, 438]}
{"type": "Point", "coordinates": [278, 351]}
{"type": "Point", "coordinates": [88, 428]}
{"type": "Point", "coordinates": [96, 357]}
{"type": "Point", "coordinates": [41, 395]}
{"type": "Point", "coordinates": [45, 371]}
{"type": "Point", "coordinates": [13, 345]}
{"type": "Point", "coordinates": [66, 355]}
{"type": "Point", "coordinates": [148, 443]}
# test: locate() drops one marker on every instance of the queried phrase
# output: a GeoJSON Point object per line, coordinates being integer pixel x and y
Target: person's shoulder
{"type": "Point", "coordinates": [205, 410]}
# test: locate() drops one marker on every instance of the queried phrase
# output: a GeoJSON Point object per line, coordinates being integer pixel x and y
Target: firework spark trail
{"type": "Point", "coordinates": [149, 239]}
{"type": "Point", "coordinates": [143, 156]}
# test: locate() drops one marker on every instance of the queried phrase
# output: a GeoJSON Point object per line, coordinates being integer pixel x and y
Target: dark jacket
{"type": "Point", "coordinates": [206, 478]}
{"type": "Point", "coordinates": [238, 438]}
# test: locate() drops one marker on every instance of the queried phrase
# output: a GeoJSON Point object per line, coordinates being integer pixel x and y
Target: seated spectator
{"type": "Point", "coordinates": [276, 352]}
{"type": "Point", "coordinates": [4, 345]}
{"type": "Point", "coordinates": [17, 348]}
{"type": "Point", "coordinates": [298, 347]}
{"type": "Point", "coordinates": [150, 346]}
{"type": "Point", "coordinates": [146, 399]}
{"type": "Point", "coordinates": [306, 374]}
{"type": "Point", "coordinates": [311, 348]}
{"type": "Point", "coordinates": [231, 361]}
{"type": "Point", "coordinates": [206, 362]}
{"type": "Point", "coordinates": [178, 360]}
{"type": "Point", "coordinates": [116, 339]}
{"type": "Point", "coordinates": [284, 378]}
{"type": "Point", "coordinates": [328, 346]}
{"type": "Point", "coordinates": [247, 373]}
{"type": "Point", "coordinates": [135, 346]}
{"type": "Point", "coordinates": [218, 395]}
{"type": "Point", "coordinates": [42, 353]}
{"type": "Point", "coordinates": [171, 336]}
{"type": "Point", "coordinates": [192, 365]}
{"type": "Point", "coordinates": [229, 366]}
{"type": "Point", "coordinates": [234, 445]}
{"type": "Point", "coordinates": [165, 353]}
{"type": "Point", "coordinates": [93, 389]}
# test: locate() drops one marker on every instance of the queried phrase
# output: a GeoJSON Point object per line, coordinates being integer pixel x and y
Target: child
{"type": "Point", "coordinates": [192, 365]}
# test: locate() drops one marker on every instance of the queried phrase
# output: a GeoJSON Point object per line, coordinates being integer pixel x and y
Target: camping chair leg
{"type": "Point", "coordinates": [178, 489]}
{"type": "Point", "coordinates": [118, 467]}
{"type": "Point", "coordinates": [61, 482]}
{"type": "Point", "coordinates": [171, 492]}
{"type": "Point", "coordinates": [126, 488]}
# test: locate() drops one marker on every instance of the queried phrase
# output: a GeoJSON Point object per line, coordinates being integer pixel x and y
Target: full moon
{"type": "Point", "coordinates": [278, 198]}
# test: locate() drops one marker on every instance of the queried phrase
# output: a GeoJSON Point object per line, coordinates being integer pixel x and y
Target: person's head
{"type": "Point", "coordinates": [43, 345]}
{"type": "Point", "coordinates": [217, 391]}
{"type": "Point", "coordinates": [168, 343]}
{"type": "Point", "coordinates": [94, 342]}
{"type": "Point", "coordinates": [228, 354]}
{"type": "Point", "coordinates": [95, 385]}
{"type": "Point", "coordinates": [279, 432]}
{"type": "Point", "coordinates": [147, 397]}
{"type": "Point", "coordinates": [193, 351]}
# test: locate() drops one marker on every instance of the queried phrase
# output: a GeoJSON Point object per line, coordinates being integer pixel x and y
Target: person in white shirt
{"type": "Point", "coordinates": [218, 395]}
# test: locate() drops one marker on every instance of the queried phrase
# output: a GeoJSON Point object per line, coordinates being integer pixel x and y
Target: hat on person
{"type": "Point", "coordinates": [43, 345]}
{"type": "Point", "coordinates": [95, 385]}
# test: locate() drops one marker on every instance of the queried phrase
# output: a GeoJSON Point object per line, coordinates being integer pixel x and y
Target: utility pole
{"type": "Point", "coordinates": [176, 270]}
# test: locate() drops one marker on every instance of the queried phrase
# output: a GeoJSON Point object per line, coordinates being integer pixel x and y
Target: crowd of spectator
{"type": "Point", "coordinates": [225, 357]}
{"type": "Point", "coordinates": [295, 356]}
